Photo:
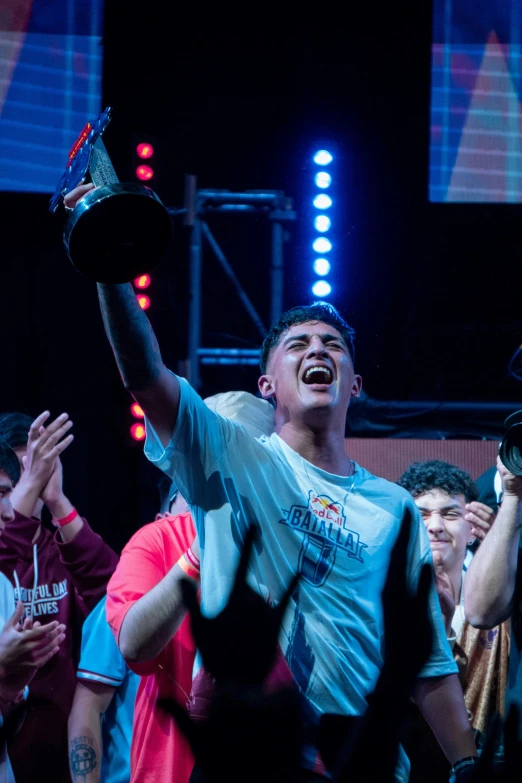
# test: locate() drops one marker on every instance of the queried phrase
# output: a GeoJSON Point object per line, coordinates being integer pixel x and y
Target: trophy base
{"type": "Point", "coordinates": [117, 232]}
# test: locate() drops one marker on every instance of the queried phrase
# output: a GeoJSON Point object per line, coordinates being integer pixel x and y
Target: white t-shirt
{"type": "Point", "coordinates": [7, 607]}
{"type": "Point", "coordinates": [337, 532]}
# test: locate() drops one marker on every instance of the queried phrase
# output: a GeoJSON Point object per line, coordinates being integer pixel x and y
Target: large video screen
{"type": "Point", "coordinates": [50, 85]}
{"type": "Point", "coordinates": [476, 90]}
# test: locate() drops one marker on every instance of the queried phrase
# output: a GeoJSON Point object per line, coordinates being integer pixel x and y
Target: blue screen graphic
{"type": "Point", "coordinates": [476, 109]}
{"type": "Point", "coordinates": [50, 86]}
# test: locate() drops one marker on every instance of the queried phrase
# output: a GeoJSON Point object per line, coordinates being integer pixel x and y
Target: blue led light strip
{"type": "Point", "coordinates": [322, 223]}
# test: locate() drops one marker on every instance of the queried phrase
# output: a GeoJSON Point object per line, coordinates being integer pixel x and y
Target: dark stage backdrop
{"type": "Point", "coordinates": [240, 98]}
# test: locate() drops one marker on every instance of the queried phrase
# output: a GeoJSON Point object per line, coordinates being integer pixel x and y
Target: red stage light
{"type": "Point", "coordinates": [144, 301]}
{"type": "Point", "coordinates": [143, 281]}
{"type": "Point", "coordinates": [138, 431]}
{"type": "Point", "coordinates": [144, 172]}
{"type": "Point", "coordinates": [145, 150]}
{"type": "Point", "coordinates": [137, 410]}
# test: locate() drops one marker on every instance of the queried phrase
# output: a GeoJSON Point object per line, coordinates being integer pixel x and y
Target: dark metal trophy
{"type": "Point", "coordinates": [118, 230]}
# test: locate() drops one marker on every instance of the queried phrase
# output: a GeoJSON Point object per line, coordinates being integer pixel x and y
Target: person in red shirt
{"type": "Point", "coordinates": [58, 576]}
{"type": "Point", "coordinates": [156, 645]}
{"type": "Point", "coordinates": [148, 618]}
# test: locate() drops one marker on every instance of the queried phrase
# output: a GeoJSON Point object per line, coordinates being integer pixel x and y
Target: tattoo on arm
{"type": "Point", "coordinates": [82, 758]}
{"type": "Point", "coordinates": [131, 336]}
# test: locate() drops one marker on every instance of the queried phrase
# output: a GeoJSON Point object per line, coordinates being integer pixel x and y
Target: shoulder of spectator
{"type": "Point", "coordinates": [151, 536]}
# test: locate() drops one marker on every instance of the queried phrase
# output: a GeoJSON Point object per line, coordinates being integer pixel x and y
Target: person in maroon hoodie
{"type": "Point", "coordinates": [58, 576]}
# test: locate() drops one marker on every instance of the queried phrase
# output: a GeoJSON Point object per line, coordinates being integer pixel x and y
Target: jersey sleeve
{"type": "Point", "coordinates": [200, 437]}
{"type": "Point", "coordinates": [100, 660]}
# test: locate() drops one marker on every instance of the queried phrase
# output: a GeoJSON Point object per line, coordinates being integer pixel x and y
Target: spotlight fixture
{"type": "Point", "coordinates": [321, 266]}
{"type": "Point", "coordinates": [323, 179]}
{"type": "Point", "coordinates": [322, 288]}
{"type": "Point", "coordinates": [322, 245]}
{"type": "Point", "coordinates": [145, 150]}
{"type": "Point", "coordinates": [137, 410]}
{"type": "Point", "coordinates": [323, 158]}
{"type": "Point", "coordinates": [143, 301]}
{"type": "Point", "coordinates": [144, 172]}
{"type": "Point", "coordinates": [138, 431]}
{"type": "Point", "coordinates": [143, 281]}
{"type": "Point", "coordinates": [322, 201]}
{"type": "Point", "coordinates": [322, 223]}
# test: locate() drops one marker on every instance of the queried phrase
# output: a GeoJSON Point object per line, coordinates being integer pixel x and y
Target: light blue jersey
{"type": "Point", "coordinates": [101, 661]}
{"type": "Point", "coordinates": [337, 532]}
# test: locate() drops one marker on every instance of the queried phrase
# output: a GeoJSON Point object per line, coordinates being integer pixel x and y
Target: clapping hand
{"type": "Point", "coordinates": [52, 493]}
{"type": "Point", "coordinates": [44, 446]}
{"type": "Point", "coordinates": [24, 648]}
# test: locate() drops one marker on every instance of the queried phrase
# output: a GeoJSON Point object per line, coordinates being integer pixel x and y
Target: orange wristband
{"type": "Point", "coordinates": [187, 568]}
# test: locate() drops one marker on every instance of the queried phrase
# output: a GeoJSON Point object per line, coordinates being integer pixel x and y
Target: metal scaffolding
{"type": "Point", "coordinates": [277, 208]}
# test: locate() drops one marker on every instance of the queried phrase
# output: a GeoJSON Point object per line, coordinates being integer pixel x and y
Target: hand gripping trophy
{"type": "Point", "coordinates": [118, 230]}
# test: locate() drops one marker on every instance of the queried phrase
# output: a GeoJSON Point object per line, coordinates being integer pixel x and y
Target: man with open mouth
{"type": "Point", "coordinates": [319, 513]}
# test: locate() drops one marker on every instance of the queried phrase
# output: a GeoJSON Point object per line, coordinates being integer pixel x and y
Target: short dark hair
{"type": "Point", "coordinates": [14, 428]}
{"type": "Point", "coordinates": [317, 311]}
{"type": "Point", "coordinates": [422, 477]}
{"type": "Point", "coordinates": [9, 462]}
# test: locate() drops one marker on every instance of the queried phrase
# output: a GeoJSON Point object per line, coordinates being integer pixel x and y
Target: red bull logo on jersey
{"type": "Point", "coordinates": [324, 508]}
{"type": "Point", "coordinates": [326, 531]}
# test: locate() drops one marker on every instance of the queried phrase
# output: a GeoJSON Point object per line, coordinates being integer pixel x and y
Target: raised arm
{"type": "Point", "coordinates": [44, 446]}
{"type": "Point", "coordinates": [491, 577]}
{"type": "Point", "coordinates": [136, 349]}
{"type": "Point", "coordinates": [88, 559]}
{"type": "Point", "coordinates": [138, 357]}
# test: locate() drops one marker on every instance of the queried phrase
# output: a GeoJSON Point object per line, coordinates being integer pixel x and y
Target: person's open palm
{"type": "Point", "coordinates": [44, 446]}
